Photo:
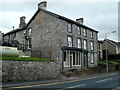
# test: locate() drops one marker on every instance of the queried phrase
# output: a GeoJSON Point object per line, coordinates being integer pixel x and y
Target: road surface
{"type": "Point", "coordinates": [103, 81]}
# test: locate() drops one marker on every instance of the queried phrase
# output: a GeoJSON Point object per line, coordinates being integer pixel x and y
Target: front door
{"type": "Point", "coordinates": [68, 59]}
{"type": "Point", "coordinates": [71, 60]}
{"type": "Point", "coordinates": [85, 61]}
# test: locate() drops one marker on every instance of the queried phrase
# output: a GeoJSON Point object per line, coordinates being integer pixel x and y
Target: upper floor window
{"type": "Point", "coordinates": [29, 44]}
{"type": "Point", "coordinates": [79, 42]}
{"type": "Point", "coordinates": [24, 32]}
{"type": "Point", "coordinates": [69, 41]}
{"type": "Point", "coordinates": [29, 31]}
{"type": "Point", "coordinates": [69, 27]}
{"type": "Point", "coordinates": [79, 29]}
{"type": "Point", "coordinates": [85, 44]}
{"type": "Point", "coordinates": [92, 45]}
{"type": "Point", "coordinates": [91, 34]}
{"type": "Point", "coordinates": [84, 32]}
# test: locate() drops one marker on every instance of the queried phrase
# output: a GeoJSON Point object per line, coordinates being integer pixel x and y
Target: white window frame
{"type": "Point", "coordinates": [84, 32]}
{"type": "Point", "coordinates": [69, 41]}
{"type": "Point", "coordinates": [92, 45]}
{"type": "Point", "coordinates": [79, 44]}
{"type": "Point", "coordinates": [91, 34]}
{"type": "Point", "coordinates": [85, 44]}
{"type": "Point", "coordinates": [92, 58]}
{"type": "Point", "coordinates": [69, 27]}
{"type": "Point", "coordinates": [67, 61]}
{"type": "Point", "coordinates": [78, 59]}
{"type": "Point", "coordinates": [29, 31]}
{"type": "Point", "coordinates": [79, 29]}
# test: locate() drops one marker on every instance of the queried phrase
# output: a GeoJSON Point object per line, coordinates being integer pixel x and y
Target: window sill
{"type": "Point", "coordinates": [77, 65]}
{"type": "Point", "coordinates": [29, 49]}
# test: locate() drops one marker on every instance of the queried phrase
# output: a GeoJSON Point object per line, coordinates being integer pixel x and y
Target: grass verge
{"type": "Point", "coordinates": [110, 62]}
{"type": "Point", "coordinates": [26, 59]}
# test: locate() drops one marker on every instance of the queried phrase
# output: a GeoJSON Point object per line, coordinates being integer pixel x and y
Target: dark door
{"type": "Point", "coordinates": [85, 61]}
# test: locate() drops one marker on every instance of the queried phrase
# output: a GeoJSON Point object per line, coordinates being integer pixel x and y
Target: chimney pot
{"type": "Point", "coordinates": [80, 20]}
{"type": "Point", "coordinates": [22, 22]}
{"type": "Point", "coordinates": [42, 5]}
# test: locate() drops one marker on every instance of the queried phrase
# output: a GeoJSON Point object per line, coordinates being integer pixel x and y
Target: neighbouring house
{"type": "Point", "coordinates": [113, 47]}
{"type": "Point", "coordinates": [52, 36]}
{"type": "Point", "coordinates": [100, 50]}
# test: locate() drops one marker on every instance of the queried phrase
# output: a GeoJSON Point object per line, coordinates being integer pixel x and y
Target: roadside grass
{"type": "Point", "coordinates": [102, 64]}
{"type": "Point", "coordinates": [26, 59]}
{"type": "Point", "coordinates": [110, 62]}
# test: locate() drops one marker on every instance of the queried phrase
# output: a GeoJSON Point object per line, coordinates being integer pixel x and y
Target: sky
{"type": "Point", "coordinates": [101, 15]}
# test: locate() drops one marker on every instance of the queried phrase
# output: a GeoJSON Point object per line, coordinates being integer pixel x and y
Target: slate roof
{"type": "Point", "coordinates": [53, 14]}
{"type": "Point", "coordinates": [113, 42]}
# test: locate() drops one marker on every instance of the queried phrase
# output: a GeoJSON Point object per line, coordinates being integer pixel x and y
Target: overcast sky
{"type": "Point", "coordinates": [99, 15]}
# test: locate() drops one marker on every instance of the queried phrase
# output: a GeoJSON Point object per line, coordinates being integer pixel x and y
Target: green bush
{"type": "Point", "coordinates": [26, 59]}
{"type": "Point", "coordinates": [96, 68]}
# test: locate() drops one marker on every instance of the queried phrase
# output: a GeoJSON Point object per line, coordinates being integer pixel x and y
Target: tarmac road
{"type": "Point", "coordinates": [106, 81]}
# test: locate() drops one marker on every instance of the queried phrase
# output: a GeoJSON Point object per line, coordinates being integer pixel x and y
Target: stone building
{"type": "Point", "coordinates": [52, 36]}
{"type": "Point", "coordinates": [112, 47]}
{"type": "Point", "coordinates": [100, 50]}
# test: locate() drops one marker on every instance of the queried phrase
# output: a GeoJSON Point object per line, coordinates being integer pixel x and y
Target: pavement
{"type": "Point", "coordinates": [89, 81]}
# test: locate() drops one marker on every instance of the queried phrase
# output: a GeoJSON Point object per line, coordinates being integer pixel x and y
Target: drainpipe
{"type": "Point", "coordinates": [70, 60]}
{"type": "Point", "coordinates": [62, 68]}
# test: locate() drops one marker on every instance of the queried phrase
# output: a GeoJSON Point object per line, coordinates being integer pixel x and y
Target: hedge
{"type": "Point", "coordinates": [26, 59]}
{"type": "Point", "coordinates": [113, 57]}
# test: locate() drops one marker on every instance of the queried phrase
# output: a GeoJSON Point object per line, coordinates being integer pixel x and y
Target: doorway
{"type": "Point", "coordinates": [85, 61]}
{"type": "Point", "coordinates": [68, 59]}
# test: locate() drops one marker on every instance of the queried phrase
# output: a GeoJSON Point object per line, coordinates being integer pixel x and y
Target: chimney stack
{"type": "Point", "coordinates": [42, 5]}
{"type": "Point", "coordinates": [80, 20]}
{"type": "Point", "coordinates": [22, 22]}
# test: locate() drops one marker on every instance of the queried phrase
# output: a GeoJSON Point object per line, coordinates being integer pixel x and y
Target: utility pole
{"type": "Point", "coordinates": [106, 46]}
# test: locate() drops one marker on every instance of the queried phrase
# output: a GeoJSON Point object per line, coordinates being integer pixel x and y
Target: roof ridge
{"type": "Point", "coordinates": [53, 14]}
{"type": "Point", "coordinates": [65, 18]}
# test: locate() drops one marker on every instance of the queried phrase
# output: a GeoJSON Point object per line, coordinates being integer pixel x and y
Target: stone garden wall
{"type": "Point", "coordinates": [29, 70]}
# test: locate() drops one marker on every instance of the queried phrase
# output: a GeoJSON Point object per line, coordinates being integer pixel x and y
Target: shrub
{"type": "Point", "coordinates": [97, 68]}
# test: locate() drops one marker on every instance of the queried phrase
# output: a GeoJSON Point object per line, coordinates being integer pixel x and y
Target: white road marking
{"type": "Point", "coordinates": [72, 87]}
{"type": "Point", "coordinates": [103, 80]}
{"type": "Point", "coordinates": [77, 86]}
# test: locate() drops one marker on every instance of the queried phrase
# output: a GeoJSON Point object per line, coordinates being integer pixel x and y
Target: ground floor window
{"type": "Point", "coordinates": [72, 58]}
{"type": "Point", "coordinates": [76, 58]}
{"type": "Point", "coordinates": [66, 59]}
{"type": "Point", "coordinates": [92, 58]}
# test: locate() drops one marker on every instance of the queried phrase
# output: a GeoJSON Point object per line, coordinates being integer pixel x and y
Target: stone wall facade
{"type": "Point", "coordinates": [109, 46]}
{"type": "Point", "coordinates": [29, 70]}
{"type": "Point", "coordinates": [49, 34]}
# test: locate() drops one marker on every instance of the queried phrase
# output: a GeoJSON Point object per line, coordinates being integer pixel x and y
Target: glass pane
{"type": "Point", "coordinates": [84, 31]}
{"type": "Point", "coordinates": [85, 44]}
{"type": "Point", "coordinates": [92, 58]}
{"type": "Point", "coordinates": [69, 27]}
{"type": "Point", "coordinates": [70, 41]}
{"type": "Point", "coordinates": [79, 30]}
{"type": "Point", "coordinates": [79, 43]}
